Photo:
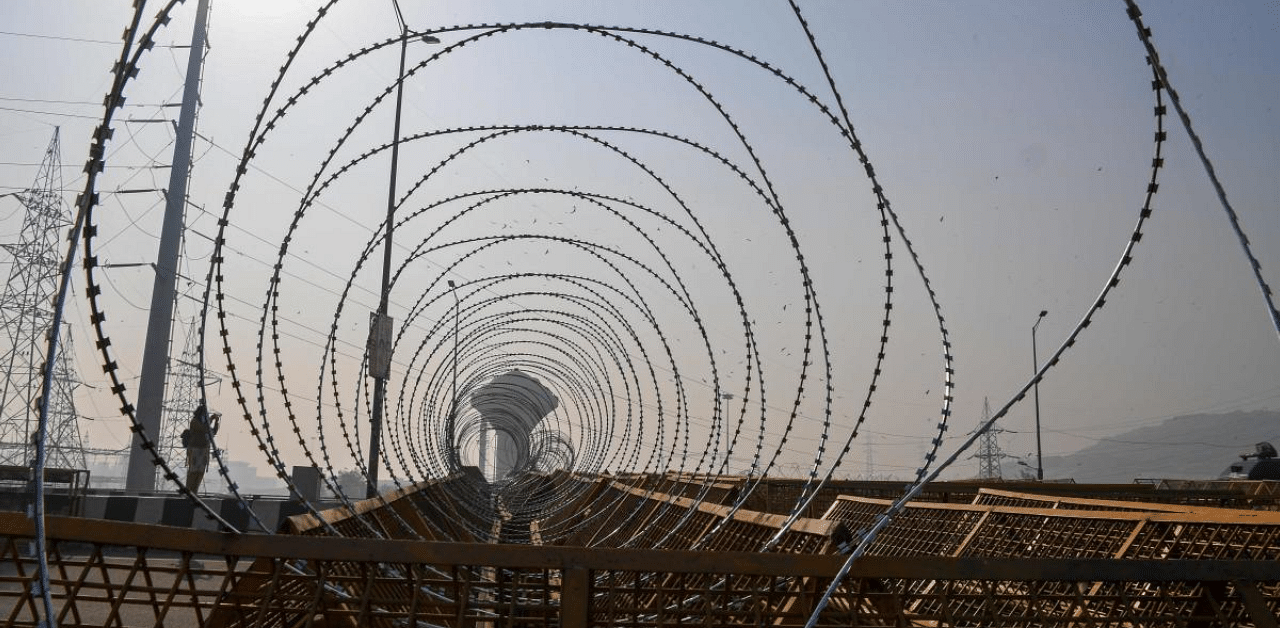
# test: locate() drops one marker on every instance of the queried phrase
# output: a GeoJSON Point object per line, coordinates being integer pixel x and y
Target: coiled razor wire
{"type": "Point", "coordinates": [441, 454]}
{"type": "Point", "coordinates": [611, 336]}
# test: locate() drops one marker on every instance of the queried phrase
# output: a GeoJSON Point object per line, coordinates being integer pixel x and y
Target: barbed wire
{"type": "Point", "coordinates": [645, 332]}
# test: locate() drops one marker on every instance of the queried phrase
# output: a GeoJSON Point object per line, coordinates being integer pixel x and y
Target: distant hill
{"type": "Point", "coordinates": [1195, 447]}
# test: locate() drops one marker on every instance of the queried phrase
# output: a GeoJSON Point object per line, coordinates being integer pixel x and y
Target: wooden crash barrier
{"type": "Point", "coordinates": [105, 573]}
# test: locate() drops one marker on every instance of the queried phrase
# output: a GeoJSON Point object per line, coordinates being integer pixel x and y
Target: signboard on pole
{"type": "Point", "coordinates": [379, 345]}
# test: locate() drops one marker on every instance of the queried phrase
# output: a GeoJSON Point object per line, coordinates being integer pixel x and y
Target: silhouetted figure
{"type": "Point", "coordinates": [198, 441]}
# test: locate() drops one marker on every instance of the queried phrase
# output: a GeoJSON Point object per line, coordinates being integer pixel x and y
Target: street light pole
{"type": "Point", "coordinates": [453, 402]}
{"type": "Point", "coordinates": [1035, 371]}
{"type": "Point", "coordinates": [725, 427]}
{"type": "Point", "coordinates": [380, 329]}
{"type": "Point", "coordinates": [380, 374]}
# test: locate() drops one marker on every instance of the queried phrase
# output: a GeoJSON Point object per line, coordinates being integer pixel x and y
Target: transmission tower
{"type": "Point", "coordinates": [180, 402]}
{"type": "Point", "coordinates": [989, 454]}
{"type": "Point", "coordinates": [26, 318]}
{"type": "Point", "coordinates": [181, 398]}
{"type": "Point", "coordinates": [871, 465]}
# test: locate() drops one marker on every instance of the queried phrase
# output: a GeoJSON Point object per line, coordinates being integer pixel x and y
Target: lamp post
{"type": "Point", "coordinates": [1035, 371]}
{"type": "Point", "coordinates": [725, 424]}
{"type": "Point", "coordinates": [381, 324]}
{"type": "Point", "coordinates": [453, 402]}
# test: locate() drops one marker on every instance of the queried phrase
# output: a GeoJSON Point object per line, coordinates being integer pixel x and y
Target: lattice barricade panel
{"type": "Point", "coordinates": [1165, 532]}
{"type": "Point", "coordinates": [119, 574]}
{"type": "Point", "coordinates": [1169, 500]}
{"type": "Point", "coordinates": [1176, 540]}
{"type": "Point", "coordinates": [619, 515]}
{"type": "Point", "coordinates": [1066, 603]}
{"type": "Point", "coordinates": [916, 532]}
{"type": "Point", "coordinates": [370, 594]}
{"type": "Point", "coordinates": [115, 585]}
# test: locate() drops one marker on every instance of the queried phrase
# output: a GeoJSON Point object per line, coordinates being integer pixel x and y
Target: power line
{"type": "Point", "coordinates": [30, 164]}
{"type": "Point", "coordinates": [84, 102]}
{"type": "Point", "coordinates": [51, 113]}
{"type": "Point", "coordinates": [82, 40]}
{"type": "Point", "coordinates": [60, 38]}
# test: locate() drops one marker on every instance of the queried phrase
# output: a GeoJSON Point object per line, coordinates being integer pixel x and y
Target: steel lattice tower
{"type": "Point", "coordinates": [25, 317]}
{"type": "Point", "coordinates": [180, 401]}
{"type": "Point", "coordinates": [989, 453]}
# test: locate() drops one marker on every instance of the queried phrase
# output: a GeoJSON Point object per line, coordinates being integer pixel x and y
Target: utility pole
{"type": "Point", "coordinates": [155, 357]}
{"type": "Point", "coordinates": [379, 322]}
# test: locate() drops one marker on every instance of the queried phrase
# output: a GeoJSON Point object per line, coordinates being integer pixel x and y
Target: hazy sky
{"type": "Point", "coordinates": [1014, 139]}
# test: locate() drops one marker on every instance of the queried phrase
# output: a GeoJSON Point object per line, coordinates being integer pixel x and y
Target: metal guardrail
{"type": "Point", "coordinates": [65, 489]}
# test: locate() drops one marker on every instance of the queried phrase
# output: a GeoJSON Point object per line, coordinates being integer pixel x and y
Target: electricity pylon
{"type": "Point", "coordinates": [25, 318]}
{"type": "Point", "coordinates": [989, 454]}
{"type": "Point", "coordinates": [180, 402]}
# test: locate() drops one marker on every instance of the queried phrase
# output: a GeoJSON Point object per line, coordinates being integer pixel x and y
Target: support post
{"type": "Point", "coordinates": [1256, 604]}
{"type": "Point", "coordinates": [575, 597]}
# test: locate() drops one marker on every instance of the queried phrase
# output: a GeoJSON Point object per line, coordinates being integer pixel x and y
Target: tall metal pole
{"type": "Point", "coordinates": [1035, 370]}
{"type": "Point", "coordinates": [453, 402]}
{"type": "Point", "coordinates": [155, 357]}
{"type": "Point", "coordinates": [725, 427]}
{"type": "Point", "coordinates": [484, 430]}
{"type": "Point", "coordinates": [380, 378]}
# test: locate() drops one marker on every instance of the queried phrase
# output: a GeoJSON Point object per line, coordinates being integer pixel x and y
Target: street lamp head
{"type": "Point", "coordinates": [1044, 313]}
{"type": "Point", "coordinates": [451, 284]}
{"type": "Point", "coordinates": [430, 39]}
